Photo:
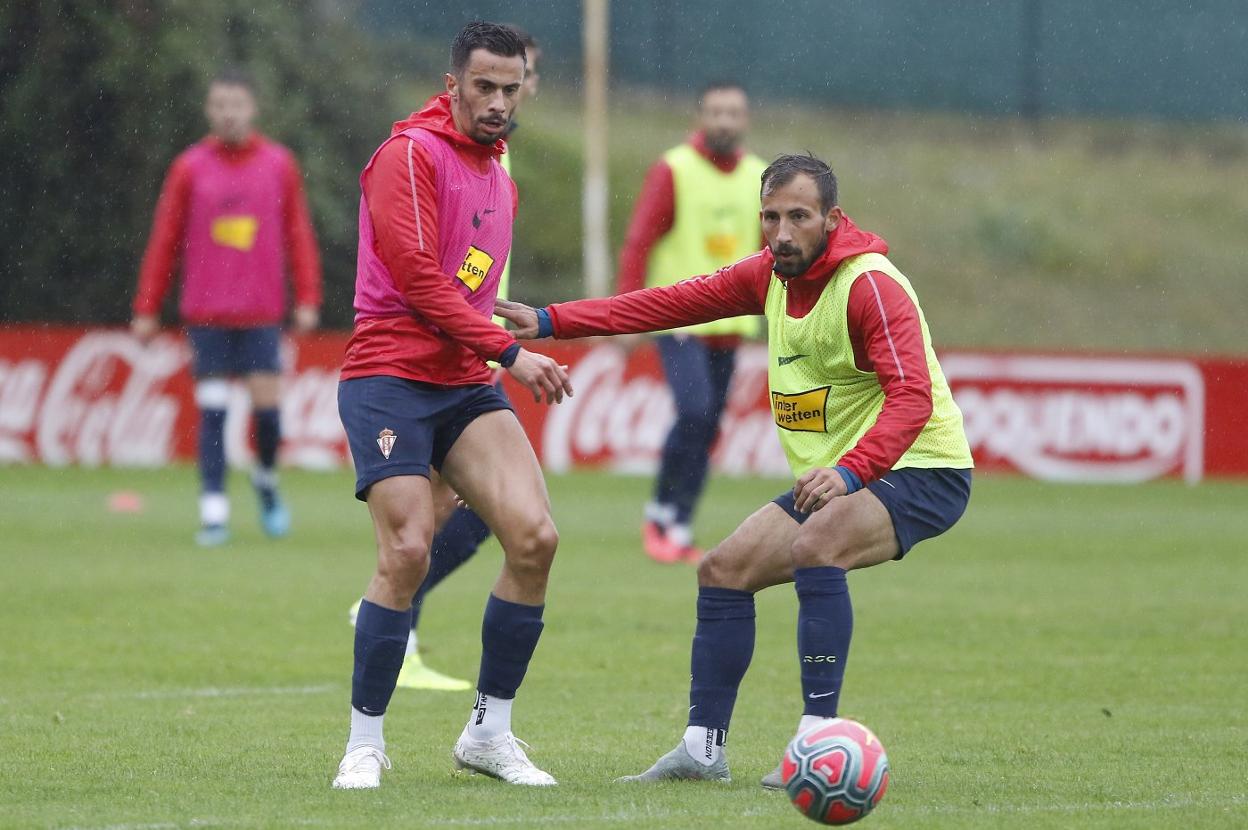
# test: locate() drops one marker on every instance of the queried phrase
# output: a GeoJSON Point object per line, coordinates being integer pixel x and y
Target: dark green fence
{"type": "Point", "coordinates": [1151, 58]}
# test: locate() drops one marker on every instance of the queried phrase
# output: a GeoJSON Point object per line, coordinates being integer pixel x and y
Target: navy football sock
{"type": "Point", "coordinates": [723, 645]}
{"type": "Point", "coordinates": [268, 436]}
{"type": "Point", "coordinates": [453, 545]}
{"type": "Point", "coordinates": [509, 634]}
{"type": "Point", "coordinates": [380, 640]}
{"type": "Point", "coordinates": [825, 624]}
{"type": "Point", "coordinates": [212, 450]}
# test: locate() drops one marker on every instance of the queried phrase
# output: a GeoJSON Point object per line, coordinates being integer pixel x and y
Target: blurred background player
{"type": "Point", "coordinates": [233, 211]}
{"type": "Point", "coordinates": [697, 212]}
{"type": "Point", "coordinates": [416, 395]}
{"type": "Point", "coordinates": [461, 531]}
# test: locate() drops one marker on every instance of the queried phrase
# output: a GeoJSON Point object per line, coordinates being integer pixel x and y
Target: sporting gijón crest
{"type": "Point", "coordinates": [385, 441]}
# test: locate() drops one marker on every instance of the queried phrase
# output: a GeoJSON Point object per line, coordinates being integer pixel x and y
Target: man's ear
{"type": "Point", "coordinates": [452, 85]}
{"type": "Point", "coordinates": [834, 217]}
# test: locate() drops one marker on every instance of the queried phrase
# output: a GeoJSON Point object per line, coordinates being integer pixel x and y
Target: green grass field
{"type": "Point", "coordinates": [1064, 657]}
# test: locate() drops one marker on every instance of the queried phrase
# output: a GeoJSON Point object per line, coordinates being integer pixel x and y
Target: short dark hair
{"type": "Point", "coordinates": [495, 38]}
{"type": "Point", "coordinates": [718, 84]}
{"type": "Point", "coordinates": [786, 168]}
{"type": "Point", "coordinates": [527, 39]}
{"type": "Point", "coordinates": [234, 76]}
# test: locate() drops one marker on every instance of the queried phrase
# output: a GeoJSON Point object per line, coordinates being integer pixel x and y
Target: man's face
{"type": "Point", "coordinates": [231, 109]}
{"type": "Point", "coordinates": [795, 227]}
{"type": "Point", "coordinates": [723, 117]}
{"type": "Point", "coordinates": [485, 94]}
{"type": "Point", "coordinates": [528, 89]}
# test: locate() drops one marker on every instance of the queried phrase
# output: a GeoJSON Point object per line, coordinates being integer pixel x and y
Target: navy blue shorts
{"type": "Point", "coordinates": [398, 427]}
{"type": "Point", "coordinates": [922, 503]}
{"type": "Point", "coordinates": [219, 352]}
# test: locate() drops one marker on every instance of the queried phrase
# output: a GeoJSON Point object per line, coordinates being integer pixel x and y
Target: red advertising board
{"type": "Point", "coordinates": [95, 396]}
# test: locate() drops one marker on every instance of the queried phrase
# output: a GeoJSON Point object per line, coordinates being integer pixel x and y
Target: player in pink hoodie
{"type": "Point", "coordinates": [233, 212]}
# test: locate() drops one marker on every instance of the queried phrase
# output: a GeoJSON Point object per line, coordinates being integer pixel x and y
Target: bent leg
{"type": "Point", "coordinates": [849, 532]}
{"type": "Point", "coordinates": [493, 468]}
{"type": "Point", "coordinates": [753, 557]}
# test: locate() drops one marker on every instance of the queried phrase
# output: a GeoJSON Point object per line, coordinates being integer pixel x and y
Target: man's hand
{"type": "Point", "coordinates": [817, 487]}
{"type": "Point", "coordinates": [144, 327]}
{"type": "Point", "coordinates": [523, 318]}
{"type": "Point", "coordinates": [540, 374]}
{"type": "Point", "coordinates": [306, 319]}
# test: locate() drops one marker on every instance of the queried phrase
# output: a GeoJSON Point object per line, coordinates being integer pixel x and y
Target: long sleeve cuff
{"type": "Point", "coordinates": [508, 357]}
{"type": "Point", "coordinates": [545, 327]}
{"type": "Point", "coordinates": [852, 483]}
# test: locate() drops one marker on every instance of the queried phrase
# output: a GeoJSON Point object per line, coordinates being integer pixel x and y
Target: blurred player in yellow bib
{"type": "Point", "coordinates": [697, 212]}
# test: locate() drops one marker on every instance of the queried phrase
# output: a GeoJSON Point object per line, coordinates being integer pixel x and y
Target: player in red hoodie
{"type": "Point", "coordinates": [865, 416]}
{"type": "Point", "coordinates": [232, 212]}
{"type": "Point", "coordinates": [416, 396]}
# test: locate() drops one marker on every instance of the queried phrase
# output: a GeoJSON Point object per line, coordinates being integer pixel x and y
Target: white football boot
{"type": "Point", "coordinates": [361, 769]}
{"type": "Point", "coordinates": [500, 757]}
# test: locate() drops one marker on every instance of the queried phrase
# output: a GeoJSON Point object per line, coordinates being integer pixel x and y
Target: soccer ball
{"type": "Point", "coordinates": [836, 772]}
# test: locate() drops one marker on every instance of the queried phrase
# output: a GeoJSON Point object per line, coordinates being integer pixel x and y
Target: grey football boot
{"type": "Point", "coordinates": [679, 765]}
{"type": "Point", "coordinates": [774, 780]}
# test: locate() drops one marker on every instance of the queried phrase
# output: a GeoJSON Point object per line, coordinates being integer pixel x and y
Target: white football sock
{"type": "Point", "coordinates": [411, 644]}
{"type": "Point", "coordinates": [491, 716]}
{"type": "Point", "coordinates": [810, 721]}
{"type": "Point", "coordinates": [680, 534]}
{"type": "Point", "coordinates": [659, 513]}
{"type": "Point", "coordinates": [214, 509]}
{"type": "Point", "coordinates": [705, 744]}
{"type": "Point", "coordinates": [365, 731]}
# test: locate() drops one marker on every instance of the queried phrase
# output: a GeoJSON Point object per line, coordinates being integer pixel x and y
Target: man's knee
{"type": "Point", "coordinates": [698, 421]}
{"type": "Point", "coordinates": [404, 557]}
{"type": "Point", "coordinates": [532, 548]}
{"type": "Point", "coordinates": [720, 569]}
{"type": "Point", "coordinates": [811, 550]}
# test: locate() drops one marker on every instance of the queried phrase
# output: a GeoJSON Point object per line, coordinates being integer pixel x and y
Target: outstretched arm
{"type": "Point", "coordinates": [740, 288]}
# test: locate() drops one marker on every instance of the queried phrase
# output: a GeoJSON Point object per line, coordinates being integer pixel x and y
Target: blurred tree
{"type": "Point", "coordinates": [98, 96]}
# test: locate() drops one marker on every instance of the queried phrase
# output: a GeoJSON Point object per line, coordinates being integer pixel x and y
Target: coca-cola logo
{"type": "Point", "coordinates": [107, 399]}
{"type": "Point", "coordinates": [1082, 419]}
{"type": "Point", "coordinates": [105, 403]}
{"type": "Point", "coordinates": [620, 417]}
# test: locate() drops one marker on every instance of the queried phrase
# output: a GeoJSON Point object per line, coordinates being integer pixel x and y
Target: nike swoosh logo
{"type": "Point", "coordinates": [785, 360]}
{"type": "Point", "coordinates": [814, 696]}
{"type": "Point", "coordinates": [368, 711]}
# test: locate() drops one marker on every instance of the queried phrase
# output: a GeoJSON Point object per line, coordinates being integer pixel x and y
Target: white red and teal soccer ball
{"type": "Point", "coordinates": [836, 772]}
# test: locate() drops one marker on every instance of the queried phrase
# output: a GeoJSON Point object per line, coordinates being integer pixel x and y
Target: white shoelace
{"type": "Point", "coordinates": [516, 744]}
{"type": "Point", "coordinates": [358, 762]}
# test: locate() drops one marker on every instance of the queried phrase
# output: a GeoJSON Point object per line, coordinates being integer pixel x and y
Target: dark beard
{"type": "Point", "coordinates": [486, 141]}
{"type": "Point", "coordinates": [721, 146]}
{"type": "Point", "coordinates": [800, 267]}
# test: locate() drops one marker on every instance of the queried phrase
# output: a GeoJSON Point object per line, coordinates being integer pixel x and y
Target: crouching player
{"type": "Point", "coordinates": [866, 420]}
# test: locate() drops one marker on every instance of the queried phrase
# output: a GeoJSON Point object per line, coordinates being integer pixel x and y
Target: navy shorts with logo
{"type": "Point", "coordinates": [398, 427]}
{"type": "Point", "coordinates": [922, 503]}
{"type": "Point", "coordinates": [222, 352]}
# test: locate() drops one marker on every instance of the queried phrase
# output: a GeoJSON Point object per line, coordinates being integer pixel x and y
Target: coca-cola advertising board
{"type": "Point", "coordinates": [96, 396]}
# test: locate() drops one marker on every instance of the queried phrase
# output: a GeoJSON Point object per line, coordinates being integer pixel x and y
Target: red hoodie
{"type": "Point", "coordinates": [401, 191]}
{"type": "Point", "coordinates": [883, 325]}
